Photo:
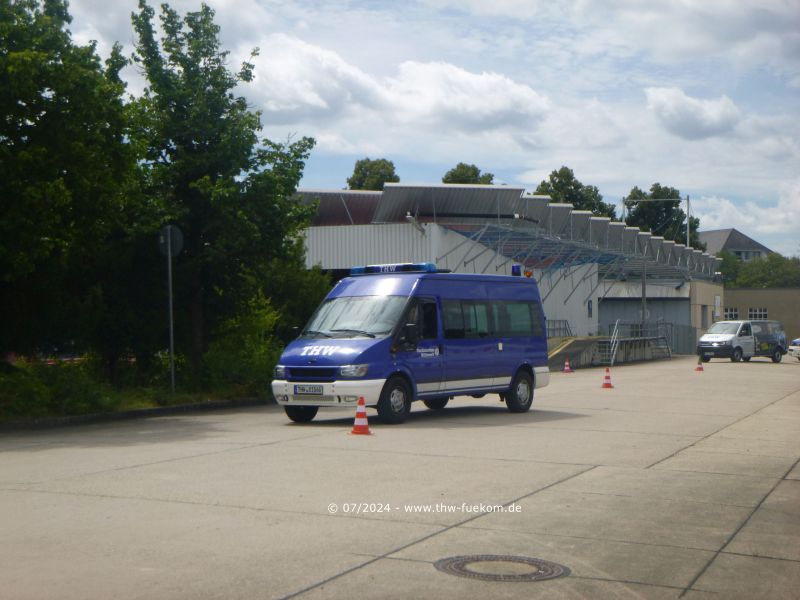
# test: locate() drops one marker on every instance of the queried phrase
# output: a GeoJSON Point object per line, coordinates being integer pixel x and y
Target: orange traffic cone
{"type": "Point", "coordinates": [699, 366]}
{"type": "Point", "coordinates": [361, 425]}
{"type": "Point", "coordinates": [607, 380]}
{"type": "Point", "coordinates": [567, 368]}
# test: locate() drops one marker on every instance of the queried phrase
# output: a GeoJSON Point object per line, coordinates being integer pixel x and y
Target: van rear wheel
{"type": "Point", "coordinates": [520, 395]}
{"type": "Point", "coordinates": [777, 355]}
{"type": "Point", "coordinates": [394, 403]}
{"type": "Point", "coordinates": [436, 403]}
{"type": "Point", "coordinates": [301, 414]}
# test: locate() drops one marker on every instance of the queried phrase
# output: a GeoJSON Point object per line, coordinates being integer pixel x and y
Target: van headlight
{"type": "Point", "coordinates": [280, 372]}
{"type": "Point", "coordinates": [353, 370]}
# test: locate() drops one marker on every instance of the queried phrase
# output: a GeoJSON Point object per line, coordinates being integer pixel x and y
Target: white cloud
{"type": "Point", "coordinates": [297, 81]}
{"type": "Point", "coordinates": [783, 217]}
{"type": "Point", "coordinates": [690, 118]}
{"type": "Point", "coordinates": [453, 98]}
{"type": "Point", "coordinates": [521, 87]}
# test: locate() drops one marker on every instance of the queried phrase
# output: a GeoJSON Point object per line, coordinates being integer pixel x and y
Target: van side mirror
{"type": "Point", "coordinates": [410, 334]}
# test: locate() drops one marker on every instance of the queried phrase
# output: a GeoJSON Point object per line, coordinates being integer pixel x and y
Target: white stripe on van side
{"type": "Point", "coordinates": [424, 388]}
{"type": "Point", "coordinates": [468, 384]}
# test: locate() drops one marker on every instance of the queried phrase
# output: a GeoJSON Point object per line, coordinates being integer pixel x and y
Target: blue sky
{"type": "Point", "coordinates": [699, 95]}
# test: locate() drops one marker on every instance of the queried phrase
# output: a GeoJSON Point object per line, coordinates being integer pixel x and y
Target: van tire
{"type": "Point", "coordinates": [519, 397]}
{"type": "Point", "coordinates": [777, 355]}
{"type": "Point", "coordinates": [705, 358]}
{"type": "Point", "coordinates": [394, 403]}
{"type": "Point", "coordinates": [436, 403]}
{"type": "Point", "coordinates": [301, 414]}
{"type": "Point", "coordinates": [737, 355]}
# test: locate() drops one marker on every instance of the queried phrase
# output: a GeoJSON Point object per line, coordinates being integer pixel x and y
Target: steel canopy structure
{"type": "Point", "coordinates": [525, 229]}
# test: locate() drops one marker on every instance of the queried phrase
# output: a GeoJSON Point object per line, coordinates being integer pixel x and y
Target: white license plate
{"type": "Point", "coordinates": [314, 390]}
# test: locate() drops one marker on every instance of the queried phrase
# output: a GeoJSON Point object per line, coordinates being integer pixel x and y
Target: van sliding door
{"type": "Point", "coordinates": [470, 352]}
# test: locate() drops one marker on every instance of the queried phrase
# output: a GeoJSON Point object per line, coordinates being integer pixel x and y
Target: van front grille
{"type": "Point", "coordinates": [312, 373]}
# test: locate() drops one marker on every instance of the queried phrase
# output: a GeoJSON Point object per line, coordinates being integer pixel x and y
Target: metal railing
{"type": "Point", "coordinates": [614, 343]}
{"type": "Point", "coordinates": [557, 328]}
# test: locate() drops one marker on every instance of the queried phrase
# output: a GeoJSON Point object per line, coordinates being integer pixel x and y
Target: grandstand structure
{"type": "Point", "coordinates": [591, 270]}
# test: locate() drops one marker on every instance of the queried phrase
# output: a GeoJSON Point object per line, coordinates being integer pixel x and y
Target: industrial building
{"type": "Point", "coordinates": [593, 273]}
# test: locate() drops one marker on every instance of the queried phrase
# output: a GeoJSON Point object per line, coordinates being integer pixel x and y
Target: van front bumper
{"type": "Point", "coordinates": [720, 351]}
{"type": "Point", "coordinates": [328, 393]}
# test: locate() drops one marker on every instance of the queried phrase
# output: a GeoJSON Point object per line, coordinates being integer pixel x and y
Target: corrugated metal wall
{"type": "Point", "coordinates": [344, 246]}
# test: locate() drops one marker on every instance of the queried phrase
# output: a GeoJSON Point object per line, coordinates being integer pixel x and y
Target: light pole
{"type": "Point", "coordinates": [170, 243]}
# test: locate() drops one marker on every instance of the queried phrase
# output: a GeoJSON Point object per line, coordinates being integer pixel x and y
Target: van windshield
{"type": "Point", "coordinates": [349, 316]}
{"type": "Point", "coordinates": [723, 328]}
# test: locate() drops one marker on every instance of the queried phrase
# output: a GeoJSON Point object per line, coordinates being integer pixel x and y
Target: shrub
{"type": "Point", "coordinates": [245, 351]}
{"type": "Point", "coordinates": [72, 389]}
{"type": "Point", "coordinates": [22, 394]}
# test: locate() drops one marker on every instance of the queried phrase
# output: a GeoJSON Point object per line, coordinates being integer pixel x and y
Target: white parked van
{"type": "Point", "coordinates": [742, 340]}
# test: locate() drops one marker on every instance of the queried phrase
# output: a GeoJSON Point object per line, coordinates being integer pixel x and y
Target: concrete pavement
{"type": "Point", "coordinates": [674, 484]}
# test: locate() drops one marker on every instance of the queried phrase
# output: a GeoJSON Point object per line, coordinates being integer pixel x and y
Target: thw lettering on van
{"type": "Point", "coordinates": [318, 351]}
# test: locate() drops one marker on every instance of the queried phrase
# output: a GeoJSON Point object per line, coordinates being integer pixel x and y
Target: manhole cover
{"type": "Point", "coordinates": [493, 567]}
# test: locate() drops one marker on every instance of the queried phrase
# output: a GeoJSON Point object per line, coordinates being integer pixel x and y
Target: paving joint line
{"type": "Point", "coordinates": [359, 517]}
{"type": "Point", "coordinates": [594, 539]}
{"type": "Point", "coordinates": [426, 537]}
{"type": "Point", "coordinates": [733, 535]}
{"type": "Point", "coordinates": [722, 429]}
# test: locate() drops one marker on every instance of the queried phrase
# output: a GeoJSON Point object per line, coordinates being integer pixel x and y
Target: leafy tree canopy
{"type": "Point", "coordinates": [230, 192]}
{"type": "Point", "coordinates": [464, 173]}
{"type": "Point", "coordinates": [774, 271]}
{"type": "Point", "coordinates": [63, 168]}
{"type": "Point", "coordinates": [729, 267]}
{"type": "Point", "coordinates": [659, 212]}
{"type": "Point", "coordinates": [371, 174]}
{"type": "Point", "coordinates": [562, 186]}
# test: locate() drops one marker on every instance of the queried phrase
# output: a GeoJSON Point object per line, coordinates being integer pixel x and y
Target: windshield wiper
{"type": "Point", "coordinates": [315, 332]}
{"type": "Point", "coordinates": [357, 331]}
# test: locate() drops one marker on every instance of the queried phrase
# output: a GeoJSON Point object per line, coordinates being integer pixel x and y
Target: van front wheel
{"type": "Point", "coordinates": [520, 396]}
{"type": "Point", "coordinates": [301, 414]}
{"type": "Point", "coordinates": [737, 355]}
{"type": "Point", "coordinates": [395, 401]}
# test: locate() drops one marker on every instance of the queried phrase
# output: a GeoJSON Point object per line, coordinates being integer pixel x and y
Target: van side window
{"type": "Point", "coordinates": [476, 319]}
{"type": "Point", "coordinates": [745, 330]}
{"type": "Point", "coordinates": [537, 319]}
{"type": "Point", "coordinates": [453, 319]}
{"type": "Point", "coordinates": [423, 314]}
{"type": "Point", "coordinates": [429, 327]}
{"type": "Point", "coordinates": [517, 319]}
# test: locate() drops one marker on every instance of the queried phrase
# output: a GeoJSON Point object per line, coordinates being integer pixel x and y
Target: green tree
{"type": "Point", "coordinates": [371, 174]}
{"type": "Point", "coordinates": [229, 192]}
{"type": "Point", "coordinates": [562, 186]}
{"type": "Point", "coordinates": [64, 164]}
{"type": "Point", "coordinates": [464, 173]}
{"type": "Point", "coordinates": [774, 271]}
{"type": "Point", "coordinates": [659, 212]}
{"type": "Point", "coordinates": [729, 267]}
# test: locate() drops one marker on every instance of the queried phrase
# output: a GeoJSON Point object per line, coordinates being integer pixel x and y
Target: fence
{"type": "Point", "coordinates": [682, 339]}
{"type": "Point", "coordinates": [558, 328]}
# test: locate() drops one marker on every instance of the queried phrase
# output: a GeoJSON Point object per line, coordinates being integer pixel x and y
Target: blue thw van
{"type": "Point", "coordinates": [398, 333]}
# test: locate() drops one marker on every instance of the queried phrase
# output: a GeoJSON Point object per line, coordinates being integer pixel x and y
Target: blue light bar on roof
{"type": "Point", "coordinates": [395, 268]}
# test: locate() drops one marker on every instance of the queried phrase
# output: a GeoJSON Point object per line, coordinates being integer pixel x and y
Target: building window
{"type": "Point", "coordinates": [589, 308]}
{"type": "Point", "coordinates": [757, 313]}
{"type": "Point", "coordinates": [731, 313]}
